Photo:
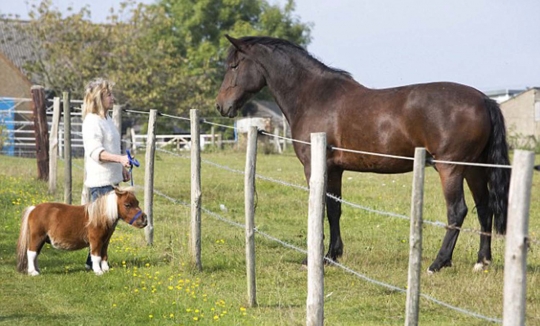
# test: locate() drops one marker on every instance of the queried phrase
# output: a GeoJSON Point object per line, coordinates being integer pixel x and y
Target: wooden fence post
{"type": "Point", "coordinates": [276, 140]}
{"type": "Point", "coordinates": [41, 131]}
{"type": "Point", "coordinates": [517, 239]}
{"type": "Point", "coordinates": [415, 238]}
{"type": "Point", "coordinates": [149, 177]}
{"type": "Point", "coordinates": [195, 189]}
{"type": "Point", "coordinates": [53, 146]}
{"type": "Point", "coordinates": [249, 193]}
{"type": "Point", "coordinates": [284, 131]}
{"type": "Point", "coordinates": [317, 195]}
{"type": "Point", "coordinates": [67, 149]}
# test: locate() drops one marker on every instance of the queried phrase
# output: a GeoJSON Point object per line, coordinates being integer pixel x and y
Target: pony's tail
{"type": "Point", "coordinates": [498, 178]}
{"type": "Point", "coordinates": [22, 243]}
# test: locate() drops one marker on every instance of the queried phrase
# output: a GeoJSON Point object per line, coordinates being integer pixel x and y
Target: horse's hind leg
{"type": "Point", "coordinates": [452, 182]}
{"type": "Point", "coordinates": [333, 208]}
{"type": "Point", "coordinates": [477, 181]}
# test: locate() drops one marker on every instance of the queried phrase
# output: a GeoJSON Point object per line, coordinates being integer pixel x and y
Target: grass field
{"type": "Point", "coordinates": [158, 284]}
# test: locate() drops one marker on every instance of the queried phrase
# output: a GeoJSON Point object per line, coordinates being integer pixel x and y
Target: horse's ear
{"type": "Point", "coordinates": [238, 44]}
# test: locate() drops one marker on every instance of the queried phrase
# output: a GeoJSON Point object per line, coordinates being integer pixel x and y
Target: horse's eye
{"type": "Point", "coordinates": [127, 205]}
{"type": "Point", "coordinates": [234, 66]}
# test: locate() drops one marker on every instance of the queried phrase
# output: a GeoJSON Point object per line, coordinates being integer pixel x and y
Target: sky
{"type": "Point", "coordinates": [488, 44]}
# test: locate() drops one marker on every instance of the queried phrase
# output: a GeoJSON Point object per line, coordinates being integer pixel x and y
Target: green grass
{"type": "Point", "coordinates": [159, 285]}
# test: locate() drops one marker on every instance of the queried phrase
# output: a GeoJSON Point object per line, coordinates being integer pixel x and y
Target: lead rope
{"type": "Point", "coordinates": [132, 162]}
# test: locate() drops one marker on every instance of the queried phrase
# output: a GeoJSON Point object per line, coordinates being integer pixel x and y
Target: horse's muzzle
{"type": "Point", "coordinates": [226, 110]}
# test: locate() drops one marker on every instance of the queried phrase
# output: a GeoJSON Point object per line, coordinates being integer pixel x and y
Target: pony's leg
{"type": "Point", "coordinates": [452, 182]}
{"type": "Point", "coordinates": [95, 255]}
{"type": "Point", "coordinates": [88, 264]}
{"type": "Point", "coordinates": [32, 262]}
{"type": "Point", "coordinates": [333, 209]}
{"type": "Point", "coordinates": [104, 255]}
{"type": "Point", "coordinates": [96, 264]}
{"type": "Point", "coordinates": [35, 245]}
{"type": "Point", "coordinates": [477, 181]}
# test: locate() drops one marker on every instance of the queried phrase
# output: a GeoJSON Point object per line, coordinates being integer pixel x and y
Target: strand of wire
{"type": "Point", "coordinates": [354, 205]}
{"type": "Point", "coordinates": [354, 151]}
{"type": "Point", "coordinates": [393, 156]}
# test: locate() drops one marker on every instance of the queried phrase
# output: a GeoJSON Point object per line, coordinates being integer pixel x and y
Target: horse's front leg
{"type": "Point", "coordinates": [333, 209]}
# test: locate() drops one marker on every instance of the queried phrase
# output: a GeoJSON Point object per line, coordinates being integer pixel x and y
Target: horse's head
{"type": "Point", "coordinates": [128, 208]}
{"type": "Point", "coordinates": [242, 80]}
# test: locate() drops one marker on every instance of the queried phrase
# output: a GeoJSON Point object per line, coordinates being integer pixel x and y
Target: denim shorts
{"type": "Point", "coordinates": [99, 191]}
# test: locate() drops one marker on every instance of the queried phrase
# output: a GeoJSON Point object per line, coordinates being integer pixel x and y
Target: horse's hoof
{"type": "Point", "coordinates": [87, 267]}
{"type": "Point", "coordinates": [104, 266]}
{"type": "Point", "coordinates": [480, 266]}
{"type": "Point", "coordinates": [435, 267]}
{"type": "Point", "coordinates": [33, 273]}
{"type": "Point", "coordinates": [98, 273]}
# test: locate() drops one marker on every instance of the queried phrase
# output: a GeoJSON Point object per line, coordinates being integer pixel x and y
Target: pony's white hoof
{"type": "Point", "coordinates": [87, 267]}
{"type": "Point", "coordinates": [98, 273]}
{"type": "Point", "coordinates": [104, 266]}
{"type": "Point", "coordinates": [33, 273]}
{"type": "Point", "coordinates": [430, 272]}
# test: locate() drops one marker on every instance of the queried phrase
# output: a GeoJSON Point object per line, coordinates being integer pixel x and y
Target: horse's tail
{"type": "Point", "coordinates": [498, 178]}
{"type": "Point", "coordinates": [22, 243]}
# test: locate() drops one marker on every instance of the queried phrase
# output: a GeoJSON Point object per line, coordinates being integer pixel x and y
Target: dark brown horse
{"type": "Point", "coordinates": [71, 227]}
{"type": "Point", "coordinates": [453, 122]}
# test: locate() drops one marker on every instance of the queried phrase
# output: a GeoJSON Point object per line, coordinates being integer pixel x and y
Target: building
{"type": "Point", "coordinates": [502, 95]}
{"type": "Point", "coordinates": [522, 116]}
{"type": "Point", "coordinates": [15, 94]}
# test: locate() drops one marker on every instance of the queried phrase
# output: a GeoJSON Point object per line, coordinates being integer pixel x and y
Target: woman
{"type": "Point", "coordinates": [104, 165]}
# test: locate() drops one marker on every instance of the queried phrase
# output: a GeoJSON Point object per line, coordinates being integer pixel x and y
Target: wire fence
{"type": "Point", "coordinates": [405, 217]}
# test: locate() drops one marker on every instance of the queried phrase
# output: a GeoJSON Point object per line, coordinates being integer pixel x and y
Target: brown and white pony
{"type": "Point", "coordinates": [71, 227]}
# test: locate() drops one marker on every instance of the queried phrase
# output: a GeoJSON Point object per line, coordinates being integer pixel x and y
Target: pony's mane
{"type": "Point", "coordinates": [285, 46]}
{"type": "Point", "coordinates": [104, 210]}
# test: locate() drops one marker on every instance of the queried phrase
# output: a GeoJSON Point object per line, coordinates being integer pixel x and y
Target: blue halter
{"type": "Point", "coordinates": [135, 217]}
{"type": "Point", "coordinates": [132, 162]}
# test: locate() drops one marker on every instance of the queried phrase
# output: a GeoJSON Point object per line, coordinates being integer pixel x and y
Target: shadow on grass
{"type": "Point", "coordinates": [35, 319]}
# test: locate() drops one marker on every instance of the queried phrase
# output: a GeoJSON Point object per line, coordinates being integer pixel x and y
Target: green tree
{"type": "Point", "coordinates": [72, 50]}
{"type": "Point", "coordinates": [198, 33]}
{"type": "Point", "coordinates": [167, 56]}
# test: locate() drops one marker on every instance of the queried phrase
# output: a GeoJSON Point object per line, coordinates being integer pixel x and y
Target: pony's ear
{"type": "Point", "coordinates": [117, 190]}
{"type": "Point", "coordinates": [239, 45]}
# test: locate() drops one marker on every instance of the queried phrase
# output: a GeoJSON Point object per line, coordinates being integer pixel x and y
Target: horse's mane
{"type": "Point", "coordinates": [104, 210]}
{"type": "Point", "coordinates": [285, 46]}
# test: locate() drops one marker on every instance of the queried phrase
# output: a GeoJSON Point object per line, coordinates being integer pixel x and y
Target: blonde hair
{"type": "Point", "coordinates": [93, 94]}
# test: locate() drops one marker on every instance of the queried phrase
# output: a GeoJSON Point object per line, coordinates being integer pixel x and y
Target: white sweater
{"type": "Point", "coordinates": [98, 135]}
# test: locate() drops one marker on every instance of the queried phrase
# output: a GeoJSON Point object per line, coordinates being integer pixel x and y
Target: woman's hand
{"type": "Point", "coordinates": [124, 160]}
{"type": "Point", "coordinates": [105, 156]}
